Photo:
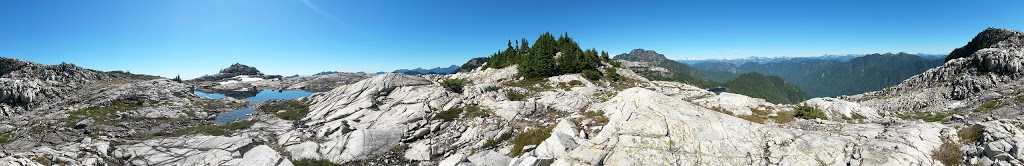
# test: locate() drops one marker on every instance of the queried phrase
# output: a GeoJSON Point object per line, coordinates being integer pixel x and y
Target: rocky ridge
{"type": "Point", "coordinates": [501, 118]}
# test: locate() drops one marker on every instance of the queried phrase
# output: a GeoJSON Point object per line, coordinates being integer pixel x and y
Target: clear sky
{"type": "Point", "coordinates": [196, 37]}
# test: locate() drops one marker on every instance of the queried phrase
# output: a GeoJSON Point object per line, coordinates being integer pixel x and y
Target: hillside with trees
{"type": "Point", "coordinates": [771, 88]}
{"type": "Point", "coordinates": [547, 56]}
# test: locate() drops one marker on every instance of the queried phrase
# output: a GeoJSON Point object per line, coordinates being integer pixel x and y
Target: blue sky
{"type": "Point", "coordinates": [196, 37]}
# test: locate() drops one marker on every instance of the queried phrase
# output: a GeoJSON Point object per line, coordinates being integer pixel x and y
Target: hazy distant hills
{"type": "Point", "coordinates": [828, 76]}
{"type": "Point", "coordinates": [762, 60]}
{"type": "Point", "coordinates": [436, 70]}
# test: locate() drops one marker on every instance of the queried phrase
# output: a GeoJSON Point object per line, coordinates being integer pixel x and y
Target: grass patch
{"type": "Point", "coordinates": [102, 114]}
{"type": "Point", "coordinates": [926, 116]}
{"type": "Point", "coordinates": [448, 115]}
{"type": "Point", "coordinates": [455, 85]}
{"type": "Point", "coordinates": [991, 104]}
{"type": "Point", "coordinates": [43, 160]}
{"type": "Point", "coordinates": [532, 84]}
{"type": "Point", "coordinates": [720, 109]}
{"type": "Point", "coordinates": [454, 113]}
{"type": "Point", "coordinates": [293, 109]}
{"type": "Point", "coordinates": [596, 116]}
{"type": "Point", "coordinates": [808, 112]}
{"type": "Point", "coordinates": [6, 137]}
{"type": "Point", "coordinates": [783, 117]}
{"type": "Point", "coordinates": [753, 118]}
{"type": "Point", "coordinates": [311, 162]}
{"type": "Point", "coordinates": [529, 137]}
{"type": "Point", "coordinates": [970, 134]}
{"type": "Point", "coordinates": [473, 112]}
{"type": "Point", "coordinates": [515, 95]}
{"type": "Point", "coordinates": [948, 153]}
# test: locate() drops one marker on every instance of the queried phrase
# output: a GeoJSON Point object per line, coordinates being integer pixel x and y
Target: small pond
{"type": "Point", "coordinates": [262, 96]}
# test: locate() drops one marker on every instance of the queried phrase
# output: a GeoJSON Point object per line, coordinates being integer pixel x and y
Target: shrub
{"type": "Point", "coordinates": [970, 134]}
{"type": "Point", "coordinates": [455, 85]}
{"type": "Point", "coordinates": [612, 74]}
{"type": "Point", "coordinates": [808, 112]}
{"type": "Point", "coordinates": [529, 137]}
{"type": "Point", "coordinates": [591, 74]}
{"type": "Point", "coordinates": [948, 153]}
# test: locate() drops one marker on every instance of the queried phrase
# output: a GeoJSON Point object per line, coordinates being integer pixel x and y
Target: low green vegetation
{"type": "Point", "coordinates": [311, 162]}
{"type": "Point", "coordinates": [455, 85]}
{"type": "Point", "coordinates": [532, 84]}
{"type": "Point", "coordinates": [473, 112]}
{"type": "Point", "coordinates": [102, 114]}
{"type": "Point", "coordinates": [515, 95]}
{"type": "Point", "coordinates": [926, 116]}
{"type": "Point", "coordinates": [213, 130]}
{"type": "Point", "coordinates": [286, 109]}
{"type": "Point", "coordinates": [757, 115]}
{"type": "Point", "coordinates": [971, 133]}
{"type": "Point", "coordinates": [4, 138]}
{"type": "Point", "coordinates": [448, 115]}
{"type": "Point", "coordinates": [529, 137]}
{"type": "Point", "coordinates": [948, 153]}
{"type": "Point", "coordinates": [783, 117]}
{"type": "Point", "coordinates": [592, 75]}
{"type": "Point", "coordinates": [612, 74]}
{"type": "Point", "coordinates": [809, 112]}
{"type": "Point", "coordinates": [454, 113]}
{"type": "Point", "coordinates": [575, 83]}
{"type": "Point", "coordinates": [991, 104]}
{"type": "Point", "coordinates": [492, 143]}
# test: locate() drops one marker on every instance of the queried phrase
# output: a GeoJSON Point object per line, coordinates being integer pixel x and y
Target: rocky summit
{"type": "Point", "coordinates": [966, 111]}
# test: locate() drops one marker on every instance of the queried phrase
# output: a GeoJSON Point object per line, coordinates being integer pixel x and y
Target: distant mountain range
{"type": "Point", "coordinates": [436, 70]}
{"type": "Point", "coordinates": [763, 60]}
{"type": "Point", "coordinates": [771, 88]}
{"type": "Point", "coordinates": [831, 76]}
